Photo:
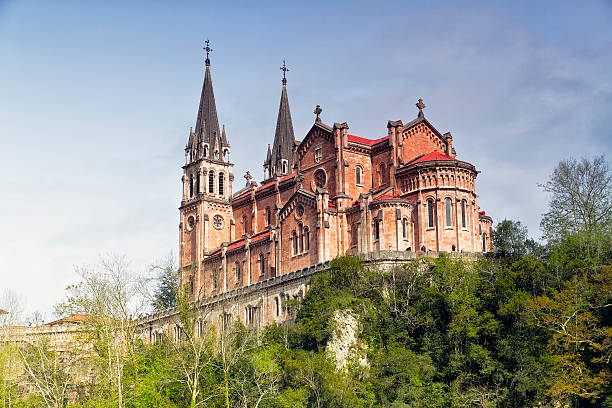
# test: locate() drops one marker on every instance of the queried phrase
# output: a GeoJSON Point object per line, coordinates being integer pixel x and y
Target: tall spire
{"type": "Point", "coordinates": [284, 138]}
{"type": "Point", "coordinates": [207, 123]}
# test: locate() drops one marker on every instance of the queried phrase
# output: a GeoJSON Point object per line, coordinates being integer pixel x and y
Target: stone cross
{"type": "Point", "coordinates": [420, 105]}
{"type": "Point", "coordinates": [317, 112]}
{"type": "Point", "coordinates": [248, 178]}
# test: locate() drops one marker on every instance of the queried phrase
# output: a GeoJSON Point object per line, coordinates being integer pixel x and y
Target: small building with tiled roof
{"type": "Point", "coordinates": [332, 193]}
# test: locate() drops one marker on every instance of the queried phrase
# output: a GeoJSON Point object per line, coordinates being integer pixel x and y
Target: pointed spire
{"type": "Point", "coordinates": [224, 137]}
{"type": "Point", "coordinates": [207, 123]}
{"type": "Point", "coordinates": [269, 155]}
{"type": "Point", "coordinates": [284, 138]}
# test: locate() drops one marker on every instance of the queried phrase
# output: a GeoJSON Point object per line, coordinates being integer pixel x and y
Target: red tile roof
{"type": "Point", "coordinates": [386, 197]}
{"type": "Point", "coordinates": [271, 183]}
{"type": "Point", "coordinates": [363, 140]}
{"type": "Point", "coordinates": [432, 156]}
{"type": "Point", "coordinates": [75, 318]}
{"type": "Point", "coordinates": [238, 243]}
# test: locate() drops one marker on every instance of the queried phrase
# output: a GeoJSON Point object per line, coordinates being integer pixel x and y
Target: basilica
{"type": "Point", "coordinates": [402, 191]}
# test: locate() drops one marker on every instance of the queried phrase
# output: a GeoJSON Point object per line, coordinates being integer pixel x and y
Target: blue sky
{"type": "Point", "coordinates": [97, 100]}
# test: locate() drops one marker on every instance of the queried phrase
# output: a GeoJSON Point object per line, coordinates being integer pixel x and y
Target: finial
{"type": "Point", "coordinates": [284, 69]}
{"type": "Point", "coordinates": [317, 112]}
{"type": "Point", "coordinates": [248, 178]}
{"type": "Point", "coordinates": [208, 51]}
{"type": "Point", "coordinates": [420, 105]}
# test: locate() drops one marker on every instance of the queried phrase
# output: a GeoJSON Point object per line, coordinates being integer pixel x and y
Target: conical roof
{"type": "Point", "coordinates": [284, 138]}
{"type": "Point", "coordinates": [207, 123]}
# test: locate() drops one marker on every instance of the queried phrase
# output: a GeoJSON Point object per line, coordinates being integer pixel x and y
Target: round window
{"type": "Point", "coordinates": [320, 178]}
{"type": "Point", "coordinates": [218, 221]}
{"type": "Point", "coordinates": [190, 222]}
{"type": "Point", "coordinates": [299, 210]}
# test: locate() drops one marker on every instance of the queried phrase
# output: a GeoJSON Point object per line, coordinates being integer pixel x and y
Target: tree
{"type": "Point", "coordinates": [581, 200]}
{"type": "Point", "coordinates": [166, 284]}
{"type": "Point", "coordinates": [109, 295]}
{"type": "Point", "coordinates": [47, 371]}
{"type": "Point", "coordinates": [510, 238]}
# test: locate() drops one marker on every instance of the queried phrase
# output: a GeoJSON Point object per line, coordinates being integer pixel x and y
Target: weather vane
{"type": "Point", "coordinates": [208, 50]}
{"type": "Point", "coordinates": [284, 69]}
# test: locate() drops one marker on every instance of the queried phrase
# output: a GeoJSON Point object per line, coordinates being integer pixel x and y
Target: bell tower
{"type": "Point", "coordinates": [205, 211]}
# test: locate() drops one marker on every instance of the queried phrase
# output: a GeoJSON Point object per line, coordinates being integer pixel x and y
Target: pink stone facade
{"type": "Point", "coordinates": [343, 194]}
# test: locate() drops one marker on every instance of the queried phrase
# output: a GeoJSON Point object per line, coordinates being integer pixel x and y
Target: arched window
{"type": "Point", "coordinates": [376, 229]}
{"type": "Point", "coordinates": [404, 228]}
{"type": "Point", "coordinates": [358, 172]}
{"type": "Point", "coordinates": [449, 211]}
{"type": "Point", "coordinates": [383, 174]}
{"type": "Point", "coordinates": [430, 213]}
{"type": "Point", "coordinates": [221, 183]}
{"type": "Point", "coordinates": [206, 151]}
{"type": "Point", "coordinates": [294, 238]}
{"type": "Point", "coordinates": [277, 304]}
{"type": "Point", "coordinates": [245, 225]}
{"type": "Point", "coordinates": [463, 223]}
{"type": "Point", "coordinates": [484, 242]}
{"type": "Point", "coordinates": [268, 216]}
{"type": "Point", "coordinates": [301, 237]}
{"type": "Point", "coordinates": [191, 186]}
{"type": "Point", "coordinates": [284, 166]}
{"type": "Point", "coordinates": [354, 234]}
{"type": "Point", "coordinates": [262, 265]}
{"type": "Point", "coordinates": [306, 238]}
{"type": "Point", "coordinates": [238, 272]}
{"type": "Point", "coordinates": [211, 181]}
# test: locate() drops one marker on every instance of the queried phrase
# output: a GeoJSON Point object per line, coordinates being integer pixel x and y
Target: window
{"type": "Point", "coordinates": [430, 213]}
{"type": "Point", "coordinates": [354, 234]}
{"type": "Point", "coordinates": [484, 242]}
{"type": "Point", "coordinates": [268, 216]}
{"type": "Point", "coordinates": [284, 166]}
{"type": "Point", "coordinates": [376, 229]}
{"type": "Point", "coordinates": [211, 181]}
{"type": "Point", "coordinates": [262, 265]}
{"type": "Point", "coordinates": [245, 225]}
{"type": "Point", "coordinates": [307, 238]}
{"type": "Point", "coordinates": [320, 178]}
{"type": "Point", "coordinates": [205, 150]}
{"type": "Point", "coordinates": [295, 243]}
{"type": "Point", "coordinates": [404, 228]}
{"type": "Point", "coordinates": [215, 279]}
{"type": "Point", "coordinates": [238, 272]}
{"type": "Point", "coordinates": [191, 186]}
{"type": "Point", "coordinates": [383, 174]}
{"type": "Point", "coordinates": [277, 304]}
{"type": "Point", "coordinates": [301, 237]}
{"type": "Point", "coordinates": [358, 172]}
{"type": "Point", "coordinates": [449, 211]}
{"type": "Point", "coordinates": [197, 183]}
{"type": "Point", "coordinates": [221, 183]}
{"type": "Point", "coordinates": [217, 154]}
{"type": "Point", "coordinates": [317, 155]}
{"type": "Point", "coordinates": [463, 224]}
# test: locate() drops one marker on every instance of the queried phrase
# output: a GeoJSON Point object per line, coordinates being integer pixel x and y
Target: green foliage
{"type": "Point", "coordinates": [508, 331]}
{"type": "Point", "coordinates": [510, 239]}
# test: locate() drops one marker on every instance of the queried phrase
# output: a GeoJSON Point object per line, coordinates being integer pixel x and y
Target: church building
{"type": "Point", "coordinates": [330, 194]}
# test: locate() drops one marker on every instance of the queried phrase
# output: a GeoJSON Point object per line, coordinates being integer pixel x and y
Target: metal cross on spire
{"type": "Point", "coordinates": [421, 106]}
{"type": "Point", "coordinates": [208, 50]}
{"type": "Point", "coordinates": [284, 69]}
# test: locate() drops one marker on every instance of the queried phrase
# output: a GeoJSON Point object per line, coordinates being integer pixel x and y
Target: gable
{"type": "Point", "coordinates": [421, 137]}
{"type": "Point", "coordinates": [302, 197]}
{"type": "Point", "coordinates": [318, 133]}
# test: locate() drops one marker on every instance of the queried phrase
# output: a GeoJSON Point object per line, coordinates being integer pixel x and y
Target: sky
{"type": "Point", "coordinates": [97, 99]}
